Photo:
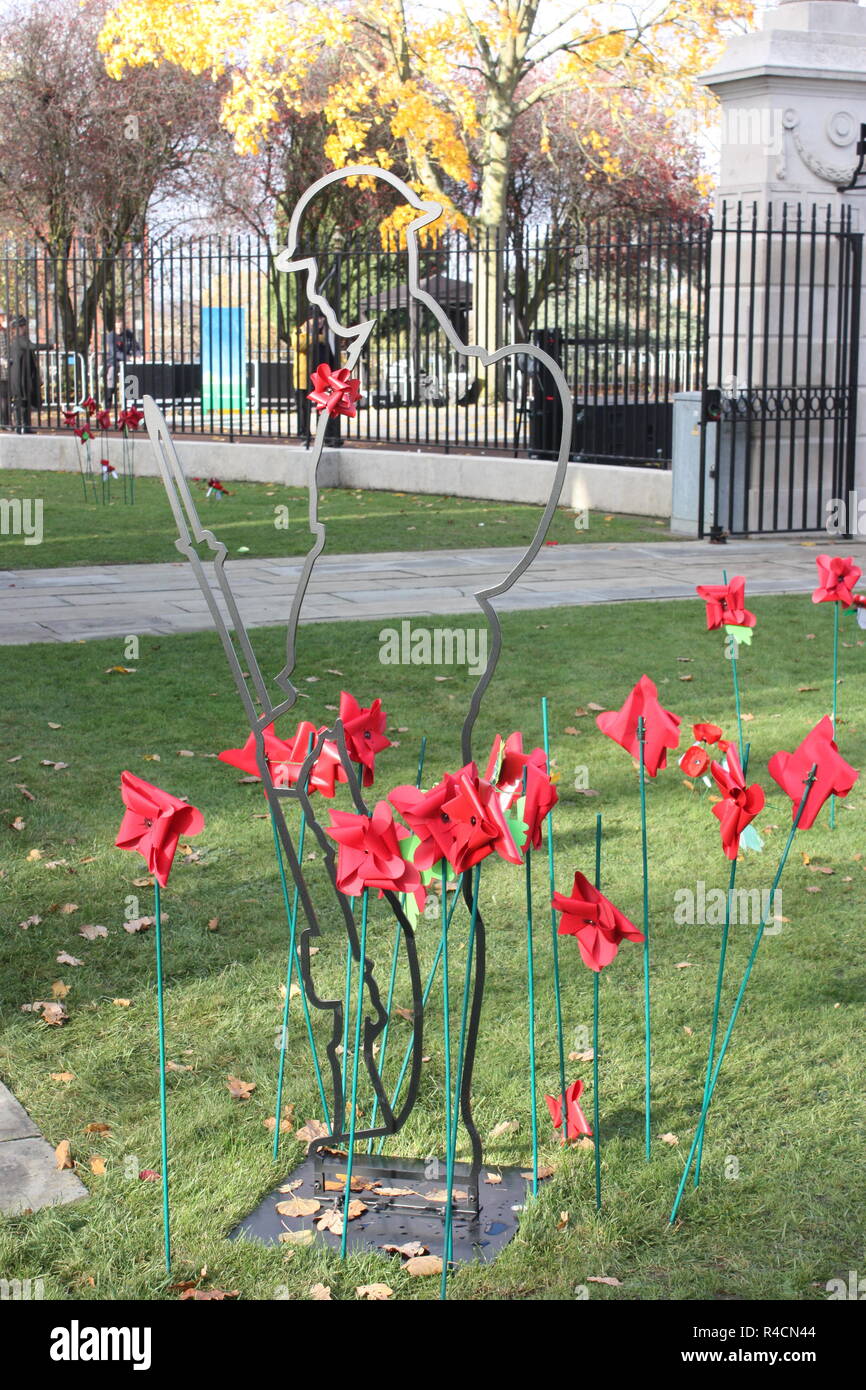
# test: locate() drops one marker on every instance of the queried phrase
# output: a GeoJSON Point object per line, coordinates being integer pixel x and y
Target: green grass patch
{"type": "Point", "coordinates": [81, 532]}
{"type": "Point", "coordinates": [788, 1109]}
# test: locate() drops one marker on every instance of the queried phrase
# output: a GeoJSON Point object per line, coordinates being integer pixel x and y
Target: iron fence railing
{"type": "Point", "coordinates": [620, 305]}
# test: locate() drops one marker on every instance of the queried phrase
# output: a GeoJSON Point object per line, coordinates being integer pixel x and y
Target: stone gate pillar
{"type": "Point", "coordinates": [793, 96]}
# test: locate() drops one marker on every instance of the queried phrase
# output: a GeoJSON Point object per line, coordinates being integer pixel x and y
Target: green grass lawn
{"type": "Point", "coordinates": [79, 532]}
{"type": "Point", "coordinates": [789, 1107]}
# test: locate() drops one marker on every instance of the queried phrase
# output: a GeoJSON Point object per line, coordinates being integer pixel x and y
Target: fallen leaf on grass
{"type": "Point", "coordinates": [542, 1173]}
{"type": "Point", "coordinates": [311, 1131]}
{"type": "Point", "coordinates": [52, 1013]}
{"type": "Point", "coordinates": [803, 688]}
{"type": "Point", "coordinates": [506, 1127]}
{"type": "Point", "coordinates": [374, 1292]}
{"type": "Point", "coordinates": [177, 1066]}
{"type": "Point", "coordinates": [604, 1279]}
{"type": "Point", "coordinates": [54, 726]}
{"type": "Point", "coordinates": [97, 1127]}
{"type": "Point", "coordinates": [441, 1195]}
{"type": "Point", "coordinates": [686, 678]}
{"type": "Point", "coordinates": [146, 882]}
{"type": "Point", "coordinates": [669, 1139]}
{"type": "Point", "coordinates": [298, 1206]}
{"type": "Point", "coordinates": [586, 1056]}
{"type": "Point", "coordinates": [682, 965]}
{"type": "Point", "coordinates": [404, 1013]}
{"type": "Point", "coordinates": [93, 932]}
{"type": "Point", "coordinates": [208, 1295]}
{"type": "Point", "coordinates": [120, 670]}
{"type": "Point", "coordinates": [18, 823]}
{"type": "Point", "coordinates": [30, 921]}
{"type": "Point", "coordinates": [33, 855]}
{"type": "Point", "coordinates": [240, 1090]}
{"type": "Point", "coordinates": [213, 923]}
{"type": "Point", "coordinates": [139, 924]}
{"type": "Point", "coordinates": [25, 792]}
{"type": "Point", "coordinates": [422, 1265]}
{"type": "Point", "coordinates": [97, 1165]}
{"type": "Point", "coordinates": [304, 1237]}
{"type": "Point", "coordinates": [68, 908]}
{"type": "Point", "coordinates": [60, 989]}
{"type": "Point", "coordinates": [563, 1221]}
{"type": "Point", "coordinates": [493, 1179]}
{"type": "Point", "coordinates": [65, 958]}
{"type": "Point", "coordinates": [410, 1251]}
{"type": "Point", "coordinates": [122, 1003]}
{"type": "Point", "coordinates": [320, 1293]}
{"type": "Point", "coordinates": [821, 869]}
{"type": "Point", "coordinates": [63, 1155]}
{"type": "Point", "coordinates": [62, 1075]}
{"type": "Point", "coordinates": [148, 1175]}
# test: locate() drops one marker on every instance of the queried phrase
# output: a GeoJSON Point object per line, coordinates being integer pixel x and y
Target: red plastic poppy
{"type": "Point", "coordinates": [739, 805]}
{"type": "Point", "coordinates": [364, 731]}
{"type": "Point", "coordinates": [369, 853]}
{"type": "Point", "coordinates": [694, 761]}
{"type": "Point", "coordinates": [130, 419]}
{"type": "Point", "coordinates": [70, 418]}
{"type": "Point", "coordinates": [153, 823]}
{"type": "Point", "coordinates": [519, 771]}
{"type": "Point", "coordinates": [661, 727]}
{"type": "Point", "coordinates": [82, 434]}
{"type": "Point", "coordinates": [576, 1122]}
{"type": "Point", "coordinates": [460, 820]}
{"type": "Point", "coordinates": [107, 467]}
{"type": "Point", "coordinates": [707, 733]}
{"type": "Point", "coordinates": [836, 579]}
{"type": "Point", "coordinates": [277, 754]}
{"type": "Point", "coordinates": [834, 777]}
{"type": "Point", "coordinates": [103, 419]}
{"type": "Point", "coordinates": [90, 405]}
{"type": "Point", "coordinates": [726, 604]}
{"type": "Point", "coordinates": [593, 919]}
{"type": "Point", "coordinates": [334, 391]}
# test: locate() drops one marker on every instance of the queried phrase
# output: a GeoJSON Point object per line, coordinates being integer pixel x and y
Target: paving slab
{"type": "Point", "coordinates": [29, 1176]}
{"type": "Point", "coordinates": [69, 604]}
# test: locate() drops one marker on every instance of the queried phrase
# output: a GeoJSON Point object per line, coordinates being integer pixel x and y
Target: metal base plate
{"type": "Point", "coordinates": [416, 1213]}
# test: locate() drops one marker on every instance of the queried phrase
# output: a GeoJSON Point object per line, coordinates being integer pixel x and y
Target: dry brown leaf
{"type": "Point", "coordinates": [356, 1208]}
{"type": "Point", "coordinates": [687, 1030]}
{"type": "Point", "coordinates": [682, 965]}
{"type": "Point", "coordinates": [441, 1195]}
{"type": "Point", "coordinates": [821, 869]}
{"type": "Point", "coordinates": [208, 1295]}
{"type": "Point", "coordinates": [122, 1003]}
{"type": "Point", "coordinates": [143, 882]}
{"type": "Point", "coordinates": [598, 709]}
{"type": "Point", "coordinates": [311, 1131]}
{"type": "Point", "coordinates": [136, 924]}
{"type": "Point", "coordinates": [18, 823]}
{"type": "Point", "coordinates": [33, 855]}
{"type": "Point", "coordinates": [213, 923]}
{"type": "Point", "coordinates": [542, 1173]}
{"type": "Point", "coordinates": [92, 932]}
{"type": "Point", "coordinates": [586, 1056]}
{"type": "Point", "coordinates": [409, 1251]}
{"type": "Point", "coordinates": [62, 1075]}
{"type": "Point", "coordinates": [669, 1139]}
{"type": "Point", "coordinates": [63, 1155]}
{"type": "Point", "coordinates": [493, 1179]}
{"type": "Point", "coordinates": [25, 792]}
{"type": "Point", "coordinates": [291, 1186]}
{"type": "Point", "coordinates": [374, 1292]}
{"type": "Point", "coordinates": [64, 958]}
{"type": "Point", "coordinates": [120, 670]}
{"type": "Point", "coordinates": [68, 908]}
{"type": "Point", "coordinates": [60, 989]}
{"type": "Point", "coordinates": [506, 1127]}
{"type": "Point", "coordinates": [604, 1279]}
{"type": "Point", "coordinates": [563, 1221]}
{"type": "Point", "coordinates": [52, 1012]}
{"type": "Point", "coordinates": [97, 1127]}
{"type": "Point", "coordinates": [177, 1066]}
{"type": "Point", "coordinates": [298, 1206]}
{"type": "Point", "coordinates": [404, 1013]}
{"type": "Point", "coordinates": [30, 922]}
{"type": "Point", "coordinates": [571, 730]}
{"type": "Point", "coordinates": [240, 1090]}
{"type": "Point", "coordinates": [185, 753]}
{"type": "Point", "coordinates": [54, 726]}
{"type": "Point", "coordinates": [330, 1221]}
{"type": "Point", "coordinates": [397, 1192]}
{"type": "Point", "coordinates": [304, 1237]}
{"type": "Point", "coordinates": [97, 1164]}
{"type": "Point", "coordinates": [686, 678]}
{"type": "Point", "coordinates": [422, 1265]}
{"type": "Point", "coordinates": [320, 1293]}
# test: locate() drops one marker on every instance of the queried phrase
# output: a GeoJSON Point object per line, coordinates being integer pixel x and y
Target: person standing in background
{"type": "Point", "coordinates": [299, 344]}
{"type": "Point", "coordinates": [25, 385]}
{"type": "Point", "coordinates": [118, 346]}
{"type": "Point", "coordinates": [5, 417]}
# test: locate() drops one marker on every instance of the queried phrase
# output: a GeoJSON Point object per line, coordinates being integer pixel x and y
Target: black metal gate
{"type": "Point", "coordinates": [780, 370]}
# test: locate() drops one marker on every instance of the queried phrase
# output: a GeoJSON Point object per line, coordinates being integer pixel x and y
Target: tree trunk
{"type": "Point", "coordinates": [487, 323]}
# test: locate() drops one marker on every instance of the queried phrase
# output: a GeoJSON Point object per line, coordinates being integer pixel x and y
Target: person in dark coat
{"type": "Point", "coordinates": [118, 346]}
{"type": "Point", "coordinates": [5, 418]}
{"type": "Point", "coordinates": [25, 385]}
{"type": "Point", "coordinates": [320, 350]}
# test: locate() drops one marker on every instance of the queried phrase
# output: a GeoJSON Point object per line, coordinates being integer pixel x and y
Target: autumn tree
{"type": "Point", "coordinates": [84, 157]}
{"type": "Point", "coordinates": [451, 87]}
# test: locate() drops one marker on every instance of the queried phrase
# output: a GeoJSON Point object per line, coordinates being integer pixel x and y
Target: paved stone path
{"type": "Point", "coordinates": [29, 1176]}
{"type": "Point", "coordinates": [64, 605]}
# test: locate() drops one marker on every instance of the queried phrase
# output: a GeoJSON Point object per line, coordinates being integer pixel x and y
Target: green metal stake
{"type": "Point", "coordinates": [424, 997]}
{"type": "Point", "coordinates": [355, 1062]}
{"type": "Point", "coordinates": [446, 1018]}
{"type": "Point", "coordinates": [530, 970]}
{"type": "Point", "coordinates": [596, 980]}
{"type": "Point", "coordinates": [723, 950]}
{"type": "Point", "coordinates": [392, 982]}
{"type": "Point", "coordinates": [560, 1039]}
{"type": "Point", "coordinates": [739, 999]}
{"type": "Point", "coordinates": [448, 1242]}
{"type": "Point", "coordinates": [163, 1112]}
{"type": "Point", "coordinates": [641, 735]}
{"type": "Point", "coordinates": [835, 695]}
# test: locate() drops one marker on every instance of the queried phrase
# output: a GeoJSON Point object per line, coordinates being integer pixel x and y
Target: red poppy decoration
{"type": "Point", "coordinates": [726, 604]}
{"type": "Point", "coordinates": [369, 853]}
{"type": "Point", "coordinates": [518, 771]}
{"type": "Point", "coordinates": [739, 805]}
{"type": "Point", "coordinates": [70, 418]}
{"type": "Point", "coordinates": [334, 391]}
{"type": "Point", "coordinates": [89, 404]}
{"type": "Point", "coordinates": [364, 731]}
{"type": "Point", "coordinates": [460, 820]}
{"type": "Point", "coordinates": [707, 733]}
{"type": "Point", "coordinates": [661, 727]}
{"type": "Point", "coordinates": [277, 753]}
{"type": "Point", "coordinates": [130, 419]}
{"type": "Point", "coordinates": [108, 468]}
{"type": "Point", "coordinates": [834, 777]}
{"type": "Point", "coordinates": [593, 919]}
{"type": "Point", "coordinates": [695, 761]}
{"type": "Point", "coordinates": [103, 419]}
{"type": "Point", "coordinates": [576, 1123]}
{"type": "Point", "coordinates": [836, 579]}
{"type": "Point", "coordinates": [83, 434]}
{"type": "Point", "coordinates": [327, 770]}
{"type": "Point", "coordinates": [153, 823]}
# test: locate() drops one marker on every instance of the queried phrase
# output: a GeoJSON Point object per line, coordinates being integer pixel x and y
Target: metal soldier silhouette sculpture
{"type": "Point", "coordinates": [266, 700]}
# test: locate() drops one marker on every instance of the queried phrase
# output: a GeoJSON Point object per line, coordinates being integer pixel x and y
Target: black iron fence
{"type": "Point", "coordinates": [208, 328]}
